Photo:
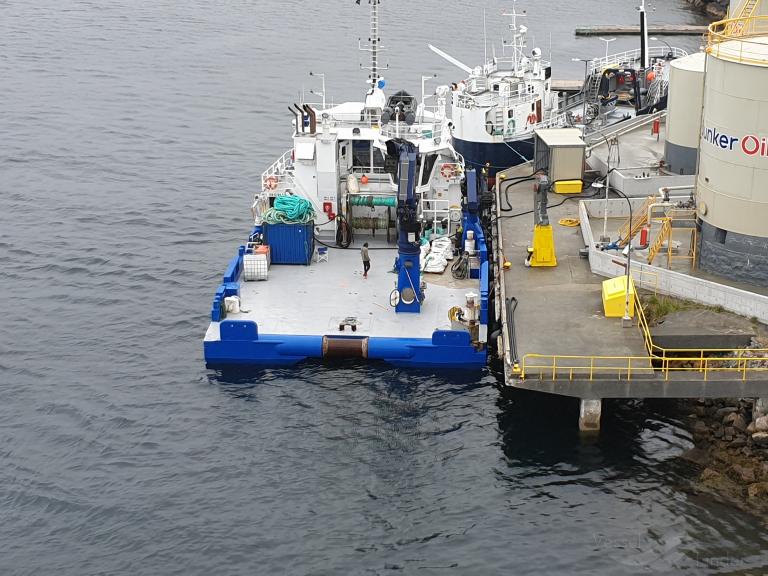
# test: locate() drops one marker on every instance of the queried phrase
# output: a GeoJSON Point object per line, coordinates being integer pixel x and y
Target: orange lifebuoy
{"type": "Point", "coordinates": [270, 183]}
{"type": "Point", "coordinates": [448, 171]}
{"type": "Point", "coordinates": [532, 118]}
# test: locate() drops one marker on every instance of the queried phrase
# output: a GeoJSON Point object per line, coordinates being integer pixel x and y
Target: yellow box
{"type": "Point", "coordinates": [568, 186]}
{"type": "Point", "coordinates": [615, 295]}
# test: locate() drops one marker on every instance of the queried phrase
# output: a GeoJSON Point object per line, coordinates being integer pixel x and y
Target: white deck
{"type": "Point", "coordinates": [313, 299]}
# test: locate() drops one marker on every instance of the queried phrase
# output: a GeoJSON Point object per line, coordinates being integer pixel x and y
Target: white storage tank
{"type": "Point", "coordinates": [686, 85]}
{"type": "Point", "coordinates": [733, 165]}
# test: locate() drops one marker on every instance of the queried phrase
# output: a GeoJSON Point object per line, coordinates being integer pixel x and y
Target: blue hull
{"type": "Point", "coordinates": [500, 156]}
{"type": "Point", "coordinates": [241, 344]}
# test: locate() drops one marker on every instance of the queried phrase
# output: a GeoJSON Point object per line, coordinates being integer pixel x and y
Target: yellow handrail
{"type": "Point", "coordinates": [730, 39]}
{"type": "Point", "coordinates": [659, 359]}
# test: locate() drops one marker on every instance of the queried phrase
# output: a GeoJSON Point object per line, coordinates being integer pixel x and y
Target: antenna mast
{"type": "Point", "coordinates": [374, 44]}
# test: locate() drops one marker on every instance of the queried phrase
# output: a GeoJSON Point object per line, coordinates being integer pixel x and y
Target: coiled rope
{"type": "Point", "coordinates": [289, 210]}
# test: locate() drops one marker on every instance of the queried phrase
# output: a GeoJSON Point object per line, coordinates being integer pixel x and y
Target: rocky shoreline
{"type": "Point", "coordinates": [731, 445]}
{"type": "Point", "coordinates": [715, 8]}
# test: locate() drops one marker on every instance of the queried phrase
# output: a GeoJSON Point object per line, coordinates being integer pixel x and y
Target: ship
{"type": "Point", "coordinates": [379, 180]}
{"type": "Point", "coordinates": [497, 108]}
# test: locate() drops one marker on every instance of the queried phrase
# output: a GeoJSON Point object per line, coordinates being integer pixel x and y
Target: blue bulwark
{"type": "Point", "coordinates": [241, 343]}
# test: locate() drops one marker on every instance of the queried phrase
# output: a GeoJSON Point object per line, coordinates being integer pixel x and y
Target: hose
{"type": "Point", "coordinates": [460, 268]}
{"type": "Point", "coordinates": [511, 307]}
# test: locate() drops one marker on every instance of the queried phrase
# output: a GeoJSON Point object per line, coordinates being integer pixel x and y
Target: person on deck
{"type": "Point", "coordinates": [366, 259]}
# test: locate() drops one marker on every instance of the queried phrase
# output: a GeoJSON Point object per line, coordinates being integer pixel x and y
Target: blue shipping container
{"type": "Point", "coordinates": [290, 243]}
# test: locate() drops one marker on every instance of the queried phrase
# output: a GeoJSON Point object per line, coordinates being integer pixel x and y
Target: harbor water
{"type": "Point", "coordinates": [132, 137]}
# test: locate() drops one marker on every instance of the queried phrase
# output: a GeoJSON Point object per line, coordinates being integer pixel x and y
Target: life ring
{"type": "Point", "coordinates": [448, 171]}
{"type": "Point", "coordinates": [270, 183]}
{"type": "Point", "coordinates": [531, 118]}
{"type": "Point", "coordinates": [511, 126]}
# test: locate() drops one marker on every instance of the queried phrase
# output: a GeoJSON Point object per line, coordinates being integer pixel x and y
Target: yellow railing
{"type": "Point", "coordinates": [735, 39]}
{"type": "Point", "coordinates": [705, 361]}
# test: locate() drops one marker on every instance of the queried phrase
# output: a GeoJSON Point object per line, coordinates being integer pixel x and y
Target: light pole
{"type": "Point", "coordinates": [322, 77]}
{"type": "Point", "coordinates": [584, 90]}
{"type": "Point", "coordinates": [655, 39]}
{"type": "Point", "coordinates": [607, 41]}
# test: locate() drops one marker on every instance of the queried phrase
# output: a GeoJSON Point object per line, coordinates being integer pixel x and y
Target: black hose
{"type": "Point", "coordinates": [460, 268]}
{"type": "Point", "coordinates": [511, 307]}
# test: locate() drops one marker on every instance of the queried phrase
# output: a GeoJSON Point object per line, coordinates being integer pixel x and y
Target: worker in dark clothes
{"type": "Point", "coordinates": [366, 259]}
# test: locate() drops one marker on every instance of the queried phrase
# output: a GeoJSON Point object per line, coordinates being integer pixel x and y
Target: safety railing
{"type": "Point", "coordinates": [705, 362]}
{"type": "Point", "coordinates": [632, 57]}
{"type": "Point", "coordinates": [272, 176]}
{"type": "Point", "coordinates": [731, 40]}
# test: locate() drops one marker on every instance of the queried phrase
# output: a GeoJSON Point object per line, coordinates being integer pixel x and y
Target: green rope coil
{"type": "Point", "coordinates": [289, 210]}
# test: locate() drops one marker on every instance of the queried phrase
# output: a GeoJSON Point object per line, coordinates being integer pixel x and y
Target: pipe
{"type": "Point", "coordinates": [296, 115]}
{"type": "Point", "coordinates": [302, 117]}
{"type": "Point", "coordinates": [312, 118]}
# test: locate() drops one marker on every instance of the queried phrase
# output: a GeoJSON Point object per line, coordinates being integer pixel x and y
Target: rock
{"type": "Point", "coordinates": [761, 424]}
{"type": "Point", "coordinates": [758, 490]}
{"type": "Point", "coordinates": [722, 412]}
{"type": "Point", "coordinates": [700, 427]}
{"type": "Point", "coordinates": [742, 474]}
{"type": "Point", "coordinates": [751, 428]}
{"type": "Point", "coordinates": [701, 411]}
{"type": "Point", "coordinates": [696, 455]}
{"type": "Point", "coordinates": [710, 474]}
{"type": "Point", "coordinates": [739, 423]}
{"type": "Point", "coordinates": [718, 432]}
{"type": "Point", "coordinates": [760, 438]}
{"type": "Point", "coordinates": [739, 442]}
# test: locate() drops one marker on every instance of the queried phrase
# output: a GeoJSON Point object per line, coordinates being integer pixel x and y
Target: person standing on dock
{"type": "Point", "coordinates": [366, 259]}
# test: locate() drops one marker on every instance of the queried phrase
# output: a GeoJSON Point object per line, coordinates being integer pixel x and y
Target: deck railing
{"type": "Point", "coordinates": [703, 363]}
{"type": "Point", "coordinates": [632, 57]}
{"type": "Point", "coordinates": [735, 40]}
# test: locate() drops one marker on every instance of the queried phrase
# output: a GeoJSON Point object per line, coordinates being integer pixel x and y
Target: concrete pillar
{"type": "Point", "coordinates": [589, 415]}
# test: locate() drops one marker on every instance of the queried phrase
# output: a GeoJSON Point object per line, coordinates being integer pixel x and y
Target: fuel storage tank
{"type": "Point", "coordinates": [686, 83]}
{"type": "Point", "coordinates": [732, 183]}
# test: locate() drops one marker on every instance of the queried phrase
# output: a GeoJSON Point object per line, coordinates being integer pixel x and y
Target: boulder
{"type": "Point", "coordinates": [757, 491]}
{"type": "Point", "coordinates": [710, 474]}
{"type": "Point", "coordinates": [761, 424]}
{"type": "Point", "coordinates": [742, 474]}
{"type": "Point", "coordinates": [760, 438]}
{"type": "Point", "coordinates": [723, 412]}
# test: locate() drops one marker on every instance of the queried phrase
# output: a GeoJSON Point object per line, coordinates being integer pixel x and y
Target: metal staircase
{"type": "Point", "coordinates": [665, 234]}
{"type": "Point", "coordinates": [638, 220]}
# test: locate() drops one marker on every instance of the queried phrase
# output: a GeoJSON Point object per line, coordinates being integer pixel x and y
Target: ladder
{"type": "Point", "coordinates": [498, 129]}
{"type": "Point", "coordinates": [747, 11]}
{"type": "Point", "coordinates": [633, 225]}
{"type": "Point", "coordinates": [665, 234]}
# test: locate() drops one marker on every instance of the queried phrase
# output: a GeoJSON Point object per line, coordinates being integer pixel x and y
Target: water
{"type": "Point", "coordinates": [133, 134]}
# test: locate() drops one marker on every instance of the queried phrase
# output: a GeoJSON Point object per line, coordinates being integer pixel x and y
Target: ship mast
{"type": "Point", "coordinates": [374, 45]}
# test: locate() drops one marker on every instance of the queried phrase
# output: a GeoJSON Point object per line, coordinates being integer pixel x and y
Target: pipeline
{"type": "Point", "coordinates": [358, 200]}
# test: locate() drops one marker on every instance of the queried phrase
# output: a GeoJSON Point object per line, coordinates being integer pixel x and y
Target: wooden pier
{"type": "Point", "coordinates": [629, 29]}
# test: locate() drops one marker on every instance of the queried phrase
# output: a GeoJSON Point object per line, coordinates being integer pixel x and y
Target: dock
{"type": "Point", "coordinates": [629, 29]}
{"type": "Point", "coordinates": [558, 340]}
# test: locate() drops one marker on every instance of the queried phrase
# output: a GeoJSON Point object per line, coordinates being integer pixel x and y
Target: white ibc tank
{"type": "Point", "coordinates": [733, 167]}
{"type": "Point", "coordinates": [686, 81]}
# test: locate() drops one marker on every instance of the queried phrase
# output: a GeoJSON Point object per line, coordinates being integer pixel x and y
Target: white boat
{"type": "Point", "coordinates": [380, 173]}
{"type": "Point", "coordinates": [495, 110]}
{"type": "Point", "coordinates": [631, 83]}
